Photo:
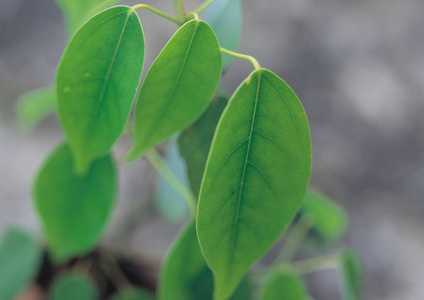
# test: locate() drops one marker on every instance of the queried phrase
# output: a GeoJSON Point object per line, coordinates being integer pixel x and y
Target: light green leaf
{"type": "Point", "coordinates": [32, 107]}
{"type": "Point", "coordinates": [133, 294]}
{"type": "Point", "coordinates": [178, 86]}
{"type": "Point", "coordinates": [350, 273]}
{"type": "Point", "coordinates": [284, 284]}
{"type": "Point", "coordinates": [97, 80]}
{"type": "Point", "coordinates": [196, 141]}
{"type": "Point", "coordinates": [74, 209]}
{"type": "Point", "coordinates": [72, 286]}
{"type": "Point", "coordinates": [185, 274]}
{"type": "Point", "coordinates": [255, 179]}
{"type": "Point", "coordinates": [226, 20]}
{"type": "Point", "coordinates": [20, 258]}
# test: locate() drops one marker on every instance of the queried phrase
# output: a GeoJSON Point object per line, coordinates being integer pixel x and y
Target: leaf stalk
{"type": "Point", "coordinates": [158, 12]}
{"type": "Point", "coordinates": [253, 60]}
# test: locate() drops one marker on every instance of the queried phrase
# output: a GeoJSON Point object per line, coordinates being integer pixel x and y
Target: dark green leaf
{"type": "Point", "coordinates": [226, 19]}
{"type": "Point", "coordinates": [20, 259]}
{"type": "Point", "coordinates": [97, 81]}
{"type": "Point", "coordinates": [284, 284]}
{"type": "Point", "coordinates": [133, 294]}
{"type": "Point", "coordinates": [178, 86]}
{"type": "Point", "coordinates": [196, 141]}
{"type": "Point", "coordinates": [74, 209]}
{"type": "Point", "coordinates": [351, 273]}
{"type": "Point", "coordinates": [329, 219]}
{"type": "Point", "coordinates": [185, 274]}
{"type": "Point", "coordinates": [72, 286]}
{"type": "Point", "coordinates": [255, 179]}
{"type": "Point", "coordinates": [32, 107]}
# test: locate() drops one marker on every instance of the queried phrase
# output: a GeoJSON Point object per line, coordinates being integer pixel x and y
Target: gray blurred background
{"type": "Point", "coordinates": [358, 68]}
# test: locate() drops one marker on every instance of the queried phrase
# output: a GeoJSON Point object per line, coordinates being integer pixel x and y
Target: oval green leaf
{"type": "Point", "coordinates": [226, 19]}
{"type": "Point", "coordinates": [284, 284]}
{"type": "Point", "coordinates": [351, 275]}
{"type": "Point", "coordinates": [133, 294]}
{"type": "Point", "coordinates": [72, 286]}
{"type": "Point", "coordinates": [185, 274]}
{"type": "Point", "coordinates": [196, 141]}
{"type": "Point", "coordinates": [255, 179]}
{"type": "Point", "coordinates": [74, 209]}
{"type": "Point", "coordinates": [97, 80]}
{"type": "Point", "coordinates": [178, 86]}
{"type": "Point", "coordinates": [20, 258]}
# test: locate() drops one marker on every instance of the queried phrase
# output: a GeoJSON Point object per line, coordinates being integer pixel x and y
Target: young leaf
{"type": "Point", "coordinates": [133, 294]}
{"type": "Point", "coordinates": [185, 274]}
{"type": "Point", "coordinates": [284, 285]}
{"type": "Point", "coordinates": [32, 107]}
{"type": "Point", "coordinates": [226, 20]}
{"type": "Point", "coordinates": [72, 286]}
{"type": "Point", "coordinates": [255, 179]}
{"type": "Point", "coordinates": [350, 273]}
{"type": "Point", "coordinates": [74, 209]}
{"type": "Point", "coordinates": [97, 80]}
{"type": "Point", "coordinates": [20, 259]}
{"type": "Point", "coordinates": [329, 219]}
{"type": "Point", "coordinates": [178, 86]}
{"type": "Point", "coordinates": [196, 141]}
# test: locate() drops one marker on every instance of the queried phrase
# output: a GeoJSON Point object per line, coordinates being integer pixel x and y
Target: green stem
{"type": "Point", "coordinates": [204, 5]}
{"type": "Point", "coordinates": [316, 264]}
{"type": "Point", "coordinates": [159, 163]}
{"type": "Point", "coordinates": [179, 9]}
{"type": "Point", "coordinates": [158, 12]}
{"type": "Point", "coordinates": [253, 60]}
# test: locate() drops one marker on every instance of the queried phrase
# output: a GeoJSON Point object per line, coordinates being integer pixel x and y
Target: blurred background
{"type": "Point", "coordinates": [358, 68]}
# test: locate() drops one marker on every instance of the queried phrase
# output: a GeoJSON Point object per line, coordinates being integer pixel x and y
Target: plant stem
{"type": "Point", "coordinates": [204, 5]}
{"type": "Point", "coordinates": [316, 264]}
{"type": "Point", "coordinates": [158, 12]}
{"type": "Point", "coordinates": [179, 9]}
{"type": "Point", "coordinates": [242, 56]}
{"type": "Point", "coordinates": [294, 239]}
{"type": "Point", "coordinates": [159, 163]}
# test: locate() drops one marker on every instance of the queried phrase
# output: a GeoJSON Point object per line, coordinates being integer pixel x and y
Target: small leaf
{"type": "Point", "coordinates": [284, 285]}
{"type": "Point", "coordinates": [133, 294]}
{"type": "Point", "coordinates": [350, 273]}
{"type": "Point", "coordinates": [97, 80]}
{"type": "Point", "coordinates": [185, 274]}
{"type": "Point", "coordinates": [178, 86]}
{"type": "Point", "coordinates": [32, 107]}
{"type": "Point", "coordinates": [72, 286]}
{"type": "Point", "coordinates": [196, 141]}
{"type": "Point", "coordinates": [20, 258]}
{"type": "Point", "coordinates": [255, 179]}
{"type": "Point", "coordinates": [74, 209]}
{"type": "Point", "coordinates": [226, 20]}
{"type": "Point", "coordinates": [329, 219]}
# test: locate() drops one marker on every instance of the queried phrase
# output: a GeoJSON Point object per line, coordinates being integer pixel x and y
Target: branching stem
{"type": "Point", "coordinates": [316, 264]}
{"type": "Point", "coordinates": [253, 60]}
{"type": "Point", "coordinates": [204, 6]}
{"type": "Point", "coordinates": [179, 10]}
{"type": "Point", "coordinates": [158, 12]}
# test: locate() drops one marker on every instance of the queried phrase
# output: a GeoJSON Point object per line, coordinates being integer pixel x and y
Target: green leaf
{"type": "Point", "coordinates": [255, 179]}
{"type": "Point", "coordinates": [32, 107]}
{"type": "Point", "coordinates": [72, 286]}
{"type": "Point", "coordinates": [133, 294]}
{"type": "Point", "coordinates": [350, 273]}
{"type": "Point", "coordinates": [74, 209]}
{"type": "Point", "coordinates": [226, 20]}
{"type": "Point", "coordinates": [284, 284]}
{"type": "Point", "coordinates": [196, 141]}
{"type": "Point", "coordinates": [185, 274]}
{"type": "Point", "coordinates": [178, 86]}
{"type": "Point", "coordinates": [97, 80]}
{"type": "Point", "coordinates": [20, 258]}
{"type": "Point", "coordinates": [330, 221]}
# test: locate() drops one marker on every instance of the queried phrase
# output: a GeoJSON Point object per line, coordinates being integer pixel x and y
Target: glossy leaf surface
{"type": "Point", "coordinates": [329, 219]}
{"type": "Point", "coordinates": [74, 209]}
{"type": "Point", "coordinates": [178, 86]}
{"type": "Point", "coordinates": [351, 273]}
{"type": "Point", "coordinates": [97, 81]}
{"type": "Point", "coordinates": [284, 285]}
{"type": "Point", "coordinates": [185, 274]}
{"type": "Point", "coordinates": [133, 294]}
{"type": "Point", "coordinates": [72, 286]}
{"type": "Point", "coordinates": [226, 19]}
{"type": "Point", "coordinates": [32, 107]}
{"type": "Point", "coordinates": [196, 141]}
{"type": "Point", "coordinates": [255, 179]}
{"type": "Point", "coordinates": [20, 258]}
